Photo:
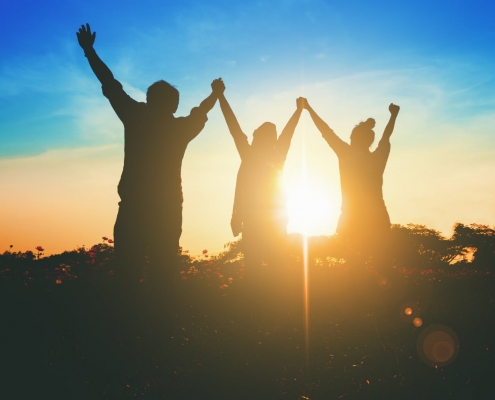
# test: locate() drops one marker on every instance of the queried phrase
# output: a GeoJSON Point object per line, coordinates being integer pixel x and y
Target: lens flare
{"type": "Point", "coordinates": [438, 345]}
{"type": "Point", "coordinates": [409, 311]}
{"type": "Point", "coordinates": [417, 322]}
{"type": "Point", "coordinates": [442, 351]}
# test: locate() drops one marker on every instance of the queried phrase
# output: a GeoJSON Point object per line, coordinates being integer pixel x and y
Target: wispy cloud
{"type": "Point", "coordinates": [66, 91]}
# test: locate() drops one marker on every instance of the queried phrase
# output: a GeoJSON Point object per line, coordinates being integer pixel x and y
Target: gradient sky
{"type": "Point", "coordinates": [61, 151]}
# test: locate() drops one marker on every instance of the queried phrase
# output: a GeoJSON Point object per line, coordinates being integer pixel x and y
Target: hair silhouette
{"type": "Point", "coordinates": [363, 134]}
{"type": "Point", "coordinates": [163, 95]}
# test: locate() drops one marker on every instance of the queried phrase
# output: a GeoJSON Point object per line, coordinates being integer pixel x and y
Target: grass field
{"type": "Point", "coordinates": [218, 333]}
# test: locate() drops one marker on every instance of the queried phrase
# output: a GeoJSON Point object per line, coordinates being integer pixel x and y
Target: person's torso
{"type": "Point", "coordinates": [261, 182]}
{"type": "Point", "coordinates": [154, 149]}
{"type": "Point", "coordinates": [361, 179]}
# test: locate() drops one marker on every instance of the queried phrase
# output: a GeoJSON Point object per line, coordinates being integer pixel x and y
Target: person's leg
{"type": "Point", "coordinates": [130, 253]}
{"type": "Point", "coordinates": [252, 244]}
{"type": "Point", "coordinates": [381, 254]}
{"type": "Point", "coordinates": [129, 246]}
{"type": "Point", "coordinates": [163, 248]}
{"type": "Point", "coordinates": [379, 241]}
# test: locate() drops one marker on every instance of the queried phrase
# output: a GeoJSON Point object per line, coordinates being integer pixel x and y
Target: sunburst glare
{"type": "Point", "coordinates": [312, 208]}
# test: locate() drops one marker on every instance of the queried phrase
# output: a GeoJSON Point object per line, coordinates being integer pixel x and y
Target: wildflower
{"type": "Point", "coordinates": [110, 241]}
{"type": "Point", "coordinates": [205, 251]}
{"type": "Point", "coordinates": [29, 253]}
{"type": "Point", "coordinates": [104, 238]}
{"type": "Point", "coordinates": [39, 248]}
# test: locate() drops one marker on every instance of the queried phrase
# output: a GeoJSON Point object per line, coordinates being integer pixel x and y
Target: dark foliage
{"type": "Point", "coordinates": [225, 333]}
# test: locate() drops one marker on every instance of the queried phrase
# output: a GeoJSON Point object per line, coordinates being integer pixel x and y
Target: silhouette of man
{"type": "Point", "coordinates": [149, 221]}
{"type": "Point", "coordinates": [364, 218]}
{"type": "Point", "coordinates": [259, 205]}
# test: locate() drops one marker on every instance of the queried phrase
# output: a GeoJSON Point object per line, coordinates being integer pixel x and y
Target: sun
{"type": "Point", "coordinates": [312, 208]}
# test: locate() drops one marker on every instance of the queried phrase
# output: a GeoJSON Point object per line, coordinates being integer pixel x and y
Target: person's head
{"type": "Point", "coordinates": [163, 96]}
{"type": "Point", "coordinates": [265, 136]}
{"type": "Point", "coordinates": [362, 135]}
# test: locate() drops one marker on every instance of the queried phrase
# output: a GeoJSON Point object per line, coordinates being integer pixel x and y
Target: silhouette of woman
{"type": "Point", "coordinates": [259, 204]}
{"type": "Point", "coordinates": [364, 218]}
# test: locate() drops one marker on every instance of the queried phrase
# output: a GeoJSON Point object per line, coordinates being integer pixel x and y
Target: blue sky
{"type": "Point", "coordinates": [350, 58]}
{"type": "Point", "coordinates": [189, 43]}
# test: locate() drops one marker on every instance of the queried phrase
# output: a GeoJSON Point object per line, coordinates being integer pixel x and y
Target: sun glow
{"type": "Point", "coordinates": [313, 210]}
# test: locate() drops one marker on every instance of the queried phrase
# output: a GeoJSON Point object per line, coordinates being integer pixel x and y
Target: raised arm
{"type": "Point", "coordinates": [86, 40]}
{"type": "Point", "coordinates": [197, 118]}
{"type": "Point", "coordinates": [328, 134]}
{"type": "Point", "coordinates": [217, 88]}
{"type": "Point", "coordinates": [240, 139]}
{"type": "Point", "coordinates": [283, 142]}
{"type": "Point", "coordinates": [394, 111]}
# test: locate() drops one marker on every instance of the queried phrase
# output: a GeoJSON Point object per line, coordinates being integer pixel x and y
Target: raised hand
{"type": "Point", "coordinates": [85, 37]}
{"type": "Point", "coordinates": [394, 109]}
{"type": "Point", "coordinates": [301, 103]}
{"type": "Point", "coordinates": [217, 86]}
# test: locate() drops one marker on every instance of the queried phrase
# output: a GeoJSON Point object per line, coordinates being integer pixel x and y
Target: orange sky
{"type": "Point", "coordinates": [67, 198]}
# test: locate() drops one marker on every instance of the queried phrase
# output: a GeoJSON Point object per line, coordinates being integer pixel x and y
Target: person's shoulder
{"type": "Point", "coordinates": [383, 145]}
{"type": "Point", "coordinates": [342, 148]}
{"type": "Point", "coordinates": [180, 120]}
{"type": "Point", "coordinates": [382, 150]}
{"type": "Point", "coordinates": [196, 116]}
{"type": "Point", "coordinates": [198, 113]}
{"type": "Point", "coordinates": [180, 125]}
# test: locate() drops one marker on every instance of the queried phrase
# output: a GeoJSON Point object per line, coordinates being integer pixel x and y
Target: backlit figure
{"type": "Point", "coordinates": [259, 205]}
